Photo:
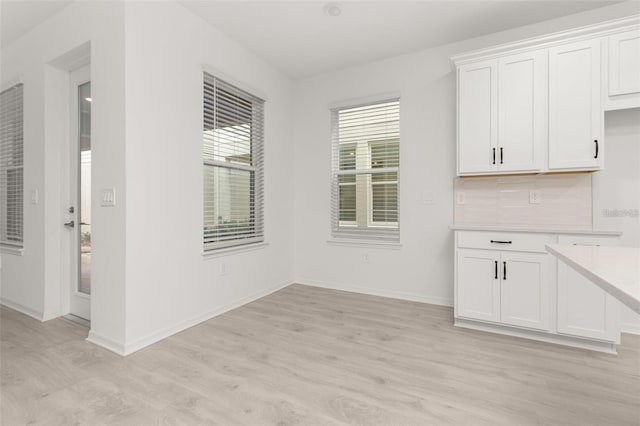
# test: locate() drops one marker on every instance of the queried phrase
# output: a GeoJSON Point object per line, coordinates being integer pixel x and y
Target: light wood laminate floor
{"type": "Point", "coordinates": [310, 356]}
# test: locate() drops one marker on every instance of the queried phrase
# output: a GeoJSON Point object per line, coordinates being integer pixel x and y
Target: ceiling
{"type": "Point", "coordinates": [299, 38]}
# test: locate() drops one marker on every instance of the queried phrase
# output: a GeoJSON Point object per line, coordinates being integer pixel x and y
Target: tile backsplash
{"type": "Point", "coordinates": [565, 200]}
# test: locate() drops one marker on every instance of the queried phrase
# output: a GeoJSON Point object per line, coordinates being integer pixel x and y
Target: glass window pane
{"type": "Point", "coordinates": [228, 203]}
{"type": "Point", "coordinates": [385, 202]}
{"type": "Point", "coordinates": [385, 154]}
{"type": "Point", "coordinates": [348, 156]}
{"type": "Point", "coordinates": [348, 202]}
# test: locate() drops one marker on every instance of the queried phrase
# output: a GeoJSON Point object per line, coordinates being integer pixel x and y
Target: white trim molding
{"type": "Point", "coordinates": [140, 343]}
{"type": "Point", "coordinates": [534, 43]}
{"type": "Point", "coordinates": [33, 313]}
{"type": "Point", "coordinates": [432, 300]}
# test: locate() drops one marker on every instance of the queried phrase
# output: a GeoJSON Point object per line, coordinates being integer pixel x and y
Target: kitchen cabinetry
{"type": "Point", "coordinates": [584, 309]}
{"type": "Point", "coordinates": [478, 290]}
{"type": "Point", "coordinates": [506, 282]}
{"type": "Point", "coordinates": [499, 283]}
{"type": "Point", "coordinates": [575, 115]}
{"type": "Point", "coordinates": [477, 117]}
{"type": "Point", "coordinates": [538, 105]}
{"type": "Point", "coordinates": [501, 114]}
{"type": "Point", "coordinates": [621, 88]}
{"type": "Point", "coordinates": [522, 111]}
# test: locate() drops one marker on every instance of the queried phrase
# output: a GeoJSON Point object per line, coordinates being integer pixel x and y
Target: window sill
{"type": "Point", "coordinates": [211, 254]}
{"type": "Point", "coordinates": [16, 251]}
{"type": "Point", "coordinates": [365, 243]}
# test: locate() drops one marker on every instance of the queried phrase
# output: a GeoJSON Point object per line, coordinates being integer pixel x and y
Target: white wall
{"type": "Point", "coordinates": [149, 278]}
{"type": "Point", "coordinates": [422, 268]}
{"type": "Point", "coordinates": [34, 283]}
{"type": "Point", "coordinates": [169, 284]}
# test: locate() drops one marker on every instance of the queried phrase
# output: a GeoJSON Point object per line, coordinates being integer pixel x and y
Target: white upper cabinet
{"type": "Point", "coordinates": [538, 105]}
{"type": "Point", "coordinates": [502, 114]}
{"type": "Point", "coordinates": [575, 113]}
{"type": "Point", "coordinates": [477, 117]}
{"type": "Point", "coordinates": [622, 58]}
{"type": "Point", "coordinates": [522, 111]}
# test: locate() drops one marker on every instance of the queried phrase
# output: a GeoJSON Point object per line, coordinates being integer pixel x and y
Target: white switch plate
{"type": "Point", "coordinates": [461, 197]}
{"type": "Point", "coordinates": [108, 197]}
{"type": "Point", "coordinates": [535, 197]}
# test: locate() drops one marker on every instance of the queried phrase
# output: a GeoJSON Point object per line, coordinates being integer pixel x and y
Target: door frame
{"type": "Point", "coordinates": [75, 302]}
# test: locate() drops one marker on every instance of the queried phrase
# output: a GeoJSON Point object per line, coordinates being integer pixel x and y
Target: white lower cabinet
{"type": "Point", "coordinates": [507, 283]}
{"type": "Point", "coordinates": [504, 287]}
{"type": "Point", "coordinates": [503, 278]}
{"type": "Point", "coordinates": [584, 309]}
{"type": "Point", "coordinates": [478, 292]}
{"type": "Point", "coordinates": [524, 290]}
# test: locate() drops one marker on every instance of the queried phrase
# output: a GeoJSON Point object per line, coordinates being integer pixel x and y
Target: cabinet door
{"type": "Point", "coordinates": [477, 117]}
{"type": "Point", "coordinates": [624, 63]}
{"type": "Point", "coordinates": [477, 287]}
{"type": "Point", "coordinates": [584, 309]}
{"type": "Point", "coordinates": [524, 290]}
{"type": "Point", "coordinates": [575, 140]}
{"type": "Point", "coordinates": [522, 111]}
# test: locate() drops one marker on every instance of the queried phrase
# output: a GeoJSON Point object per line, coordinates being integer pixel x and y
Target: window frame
{"type": "Point", "coordinates": [253, 233]}
{"type": "Point", "coordinates": [12, 145]}
{"type": "Point", "coordinates": [357, 230]}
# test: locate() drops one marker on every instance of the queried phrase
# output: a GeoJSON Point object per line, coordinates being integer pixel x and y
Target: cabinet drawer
{"type": "Point", "coordinates": [506, 241]}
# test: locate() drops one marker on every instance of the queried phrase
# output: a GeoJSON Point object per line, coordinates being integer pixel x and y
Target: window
{"type": "Point", "coordinates": [233, 165]}
{"type": "Point", "coordinates": [366, 162]}
{"type": "Point", "coordinates": [11, 167]}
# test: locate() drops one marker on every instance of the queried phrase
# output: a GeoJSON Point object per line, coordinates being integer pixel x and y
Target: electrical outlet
{"type": "Point", "coordinates": [535, 197]}
{"type": "Point", "coordinates": [461, 197]}
{"type": "Point", "coordinates": [223, 268]}
{"type": "Point", "coordinates": [365, 258]}
{"type": "Point", "coordinates": [428, 198]}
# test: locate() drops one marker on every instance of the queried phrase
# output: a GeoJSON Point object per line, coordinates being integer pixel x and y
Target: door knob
{"type": "Point", "coordinates": [70, 224]}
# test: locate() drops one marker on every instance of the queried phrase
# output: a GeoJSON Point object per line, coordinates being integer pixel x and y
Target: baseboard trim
{"type": "Point", "coordinates": [50, 315]}
{"type": "Point", "coordinates": [22, 309]}
{"type": "Point", "coordinates": [155, 337]}
{"type": "Point", "coordinates": [630, 328]}
{"type": "Point", "coordinates": [441, 301]}
{"type": "Point", "coordinates": [106, 343]}
{"type": "Point", "coordinates": [609, 348]}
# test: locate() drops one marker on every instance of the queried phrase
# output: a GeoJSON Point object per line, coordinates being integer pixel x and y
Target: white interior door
{"type": "Point", "coordinates": [79, 219]}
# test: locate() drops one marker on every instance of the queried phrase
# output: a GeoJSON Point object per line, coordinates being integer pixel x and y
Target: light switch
{"type": "Point", "coordinates": [108, 197]}
{"type": "Point", "coordinates": [461, 197]}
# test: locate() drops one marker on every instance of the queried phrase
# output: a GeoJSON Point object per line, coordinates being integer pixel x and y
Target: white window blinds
{"type": "Point", "coordinates": [11, 167]}
{"type": "Point", "coordinates": [233, 165]}
{"type": "Point", "coordinates": [365, 171]}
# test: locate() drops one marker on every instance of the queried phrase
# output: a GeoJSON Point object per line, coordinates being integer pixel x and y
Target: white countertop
{"type": "Point", "coordinates": [614, 269]}
{"type": "Point", "coordinates": [534, 229]}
